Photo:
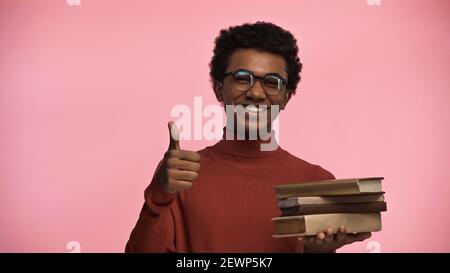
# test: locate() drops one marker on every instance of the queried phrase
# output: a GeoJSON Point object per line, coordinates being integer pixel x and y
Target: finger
{"type": "Point", "coordinates": [174, 136]}
{"type": "Point", "coordinates": [184, 154]}
{"type": "Point", "coordinates": [329, 236]}
{"type": "Point", "coordinates": [341, 235]}
{"type": "Point", "coordinates": [182, 175]}
{"type": "Point", "coordinates": [176, 163]}
{"type": "Point", "coordinates": [320, 237]}
{"type": "Point", "coordinates": [175, 185]}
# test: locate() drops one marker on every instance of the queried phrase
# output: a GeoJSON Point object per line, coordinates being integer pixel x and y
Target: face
{"type": "Point", "coordinates": [260, 64]}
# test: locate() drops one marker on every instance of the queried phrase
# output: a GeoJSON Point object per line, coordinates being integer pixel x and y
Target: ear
{"type": "Point", "coordinates": [217, 86]}
{"type": "Point", "coordinates": [286, 99]}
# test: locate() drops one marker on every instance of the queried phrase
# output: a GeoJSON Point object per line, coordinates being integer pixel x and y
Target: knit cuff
{"type": "Point", "coordinates": [157, 196]}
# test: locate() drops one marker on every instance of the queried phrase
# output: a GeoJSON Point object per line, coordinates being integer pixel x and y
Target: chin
{"type": "Point", "coordinates": [251, 126]}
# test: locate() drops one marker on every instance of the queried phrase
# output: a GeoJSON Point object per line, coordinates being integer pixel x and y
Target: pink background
{"type": "Point", "coordinates": [86, 93]}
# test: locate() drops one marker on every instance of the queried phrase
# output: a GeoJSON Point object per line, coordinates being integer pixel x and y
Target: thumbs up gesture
{"type": "Point", "coordinates": [180, 167]}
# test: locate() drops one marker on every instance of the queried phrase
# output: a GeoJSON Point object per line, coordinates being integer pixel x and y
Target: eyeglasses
{"type": "Point", "coordinates": [272, 83]}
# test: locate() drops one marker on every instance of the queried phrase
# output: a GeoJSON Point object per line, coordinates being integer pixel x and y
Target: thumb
{"type": "Point", "coordinates": [174, 135]}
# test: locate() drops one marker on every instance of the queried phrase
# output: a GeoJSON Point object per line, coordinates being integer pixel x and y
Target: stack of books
{"type": "Point", "coordinates": [311, 207]}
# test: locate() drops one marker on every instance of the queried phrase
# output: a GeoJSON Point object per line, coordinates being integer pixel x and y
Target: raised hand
{"type": "Point", "coordinates": [180, 167]}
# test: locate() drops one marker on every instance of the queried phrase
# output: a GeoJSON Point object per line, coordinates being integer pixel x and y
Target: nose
{"type": "Point", "coordinates": [256, 92]}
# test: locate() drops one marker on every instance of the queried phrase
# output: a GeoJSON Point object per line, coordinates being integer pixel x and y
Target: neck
{"type": "Point", "coordinates": [234, 144]}
{"type": "Point", "coordinates": [239, 132]}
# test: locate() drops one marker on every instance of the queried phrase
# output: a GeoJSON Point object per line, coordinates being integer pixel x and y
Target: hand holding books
{"type": "Point", "coordinates": [326, 215]}
{"type": "Point", "coordinates": [328, 241]}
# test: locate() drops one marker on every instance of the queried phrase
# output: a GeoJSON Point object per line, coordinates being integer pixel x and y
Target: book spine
{"type": "Point", "coordinates": [331, 189]}
{"type": "Point", "coordinates": [334, 208]}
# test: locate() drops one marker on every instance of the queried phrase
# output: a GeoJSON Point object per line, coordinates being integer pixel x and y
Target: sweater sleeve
{"type": "Point", "coordinates": [155, 228]}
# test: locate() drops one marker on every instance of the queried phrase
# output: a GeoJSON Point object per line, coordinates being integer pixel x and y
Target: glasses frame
{"type": "Point", "coordinates": [260, 78]}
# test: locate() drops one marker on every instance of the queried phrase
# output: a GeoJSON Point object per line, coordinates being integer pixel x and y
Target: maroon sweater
{"type": "Point", "coordinates": [228, 208]}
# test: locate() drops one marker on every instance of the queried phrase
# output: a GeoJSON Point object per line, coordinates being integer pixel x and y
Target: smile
{"type": "Point", "coordinates": [255, 109]}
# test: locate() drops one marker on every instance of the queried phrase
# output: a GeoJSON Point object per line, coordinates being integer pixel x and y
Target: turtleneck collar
{"type": "Point", "coordinates": [246, 148]}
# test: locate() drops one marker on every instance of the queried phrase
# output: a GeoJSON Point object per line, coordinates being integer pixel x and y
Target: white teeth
{"type": "Point", "coordinates": [255, 109]}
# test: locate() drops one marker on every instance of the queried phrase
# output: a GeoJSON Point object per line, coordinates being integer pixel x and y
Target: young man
{"type": "Point", "coordinates": [227, 206]}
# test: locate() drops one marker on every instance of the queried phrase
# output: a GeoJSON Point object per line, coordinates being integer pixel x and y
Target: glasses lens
{"type": "Point", "coordinates": [243, 80]}
{"type": "Point", "coordinates": [272, 84]}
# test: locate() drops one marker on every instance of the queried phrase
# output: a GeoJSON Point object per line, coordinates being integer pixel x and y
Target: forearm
{"type": "Point", "coordinates": [155, 228]}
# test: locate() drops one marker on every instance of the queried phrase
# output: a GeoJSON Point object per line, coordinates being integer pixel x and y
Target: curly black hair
{"type": "Point", "coordinates": [262, 36]}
